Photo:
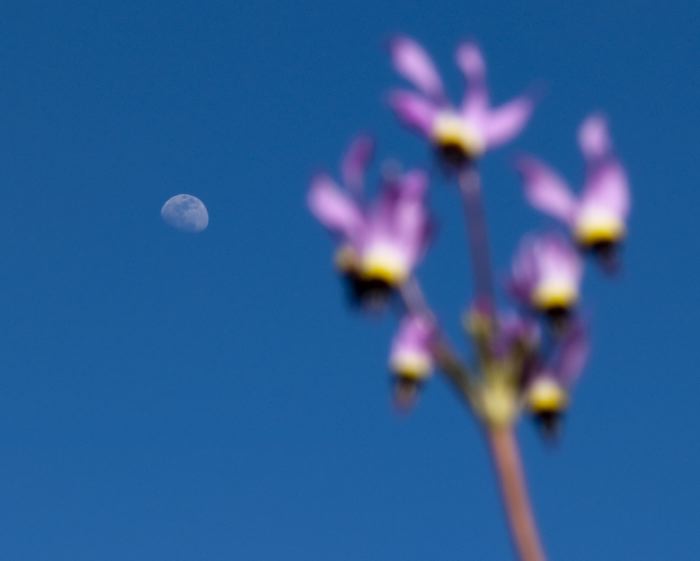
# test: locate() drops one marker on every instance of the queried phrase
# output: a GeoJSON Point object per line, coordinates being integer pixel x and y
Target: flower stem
{"type": "Point", "coordinates": [446, 358]}
{"type": "Point", "coordinates": [470, 188]}
{"type": "Point", "coordinates": [506, 459]}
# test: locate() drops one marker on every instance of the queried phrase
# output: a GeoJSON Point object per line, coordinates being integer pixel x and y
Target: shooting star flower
{"type": "Point", "coordinates": [547, 392]}
{"type": "Point", "coordinates": [546, 275]}
{"type": "Point", "coordinates": [379, 244]}
{"type": "Point", "coordinates": [411, 358]}
{"type": "Point", "coordinates": [597, 218]}
{"type": "Point", "coordinates": [460, 134]}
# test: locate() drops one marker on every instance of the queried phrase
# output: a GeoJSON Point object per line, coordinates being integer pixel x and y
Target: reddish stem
{"type": "Point", "coordinates": [506, 459]}
{"type": "Point", "coordinates": [470, 188]}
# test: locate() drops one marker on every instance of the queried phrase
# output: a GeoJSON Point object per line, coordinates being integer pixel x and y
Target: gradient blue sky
{"type": "Point", "coordinates": [166, 396]}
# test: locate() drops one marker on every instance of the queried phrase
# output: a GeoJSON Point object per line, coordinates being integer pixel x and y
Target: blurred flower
{"type": "Point", "coordinates": [597, 218]}
{"type": "Point", "coordinates": [503, 333]}
{"type": "Point", "coordinates": [460, 134]}
{"type": "Point", "coordinates": [379, 244]}
{"type": "Point", "coordinates": [516, 333]}
{"type": "Point", "coordinates": [411, 358]}
{"type": "Point", "coordinates": [547, 392]}
{"type": "Point", "coordinates": [546, 274]}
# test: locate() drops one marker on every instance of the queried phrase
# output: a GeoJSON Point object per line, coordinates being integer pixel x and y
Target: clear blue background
{"type": "Point", "coordinates": [166, 396]}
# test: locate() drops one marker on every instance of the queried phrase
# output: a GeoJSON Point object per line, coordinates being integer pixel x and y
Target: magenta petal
{"type": "Point", "coordinates": [503, 124]}
{"type": "Point", "coordinates": [593, 137]}
{"type": "Point", "coordinates": [414, 110]}
{"type": "Point", "coordinates": [556, 256]}
{"type": "Point", "coordinates": [515, 330]}
{"type": "Point", "coordinates": [333, 208]}
{"type": "Point", "coordinates": [413, 63]}
{"type": "Point", "coordinates": [545, 190]}
{"type": "Point", "coordinates": [412, 343]}
{"type": "Point", "coordinates": [411, 220]}
{"type": "Point", "coordinates": [471, 62]}
{"type": "Point", "coordinates": [607, 187]}
{"type": "Point", "coordinates": [415, 332]}
{"type": "Point", "coordinates": [546, 262]}
{"type": "Point", "coordinates": [356, 160]}
{"type": "Point", "coordinates": [400, 205]}
{"type": "Point", "coordinates": [414, 183]}
{"type": "Point", "coordinates": [400, 219]}
{"type": "Point", "coordinates": [524, 271]}
{"type": "Point", "coordinates": [572, 354]}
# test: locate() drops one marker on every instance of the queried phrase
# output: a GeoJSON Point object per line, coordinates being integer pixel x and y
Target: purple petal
{"type": "Point", "coordinates": [606, 185]}
{"type": "Point", "coordinates": [515, 330]}
{"type": "Point", "coordinates": [523, 271]}
{"type": "Point", "coordinates": [411, 347]}
{"type": "Point", "coordinates": [471, 62]}
{"type": "Point", "coordinates": [593, 137]}
{"type": "Point", "coordinates": [556, 257]}
{"type": "Point", "coordinates": [414, 183]}
{"type": "Point", "coordinates": [572, 355]}
{"type": "Point", "coordinates": [547, 270]}
{"type": "Point", "coordinates": [399, 222]}
{"type": "Point", "coordinates": [503, 124]}
{"type": "Point", "coordinates": [605, 202]}
{"type": "Point", "coordinates": [411, 220]}
{"type": "Point", "coordinates": [413, 63]}
{"type": "Point", "coordinates": [607, 188]}
{"type": "Point", "coordinates": [545, 190]}
{"type": "Point", "coordinates": [355, 162]}
{"type": "Point", "coordinates": [333, 208]}
{"type": "Point", "coordinates": [414, 110]}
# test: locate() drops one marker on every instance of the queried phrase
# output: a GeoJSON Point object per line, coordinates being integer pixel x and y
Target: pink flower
{"type": "Point", "coordinates": [411, 358]}
{"type": "Point", "coordinates": [546, 274]}
{"type": "Point", "coordinates": [597, 218]}
{"type": "Point", "coordinates": [547, 392]}
{"type": "Point", "coordinates": [460, 134]}
{"type": "Point", "coordinates": [380, 244]}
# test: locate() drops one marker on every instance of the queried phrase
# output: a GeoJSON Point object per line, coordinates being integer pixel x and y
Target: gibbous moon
{"type": "Point", "coordinates": [185, 213]}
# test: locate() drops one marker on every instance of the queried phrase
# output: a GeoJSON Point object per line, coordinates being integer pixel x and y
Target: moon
{"type": "Point", "coordinates": [185, 213]}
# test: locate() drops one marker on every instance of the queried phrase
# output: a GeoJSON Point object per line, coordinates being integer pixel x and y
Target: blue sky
{"type": "Point", "coordinates": [209, 397]}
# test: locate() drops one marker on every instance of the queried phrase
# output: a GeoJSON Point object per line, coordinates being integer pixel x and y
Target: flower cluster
{"type": "Point", "coordinates": [548, 269]}
{"type": "Point", "coordinates": [530, 356]}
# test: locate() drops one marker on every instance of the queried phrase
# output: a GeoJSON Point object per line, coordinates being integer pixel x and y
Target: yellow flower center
{"type": "Point", "coordinates": [555, 293]}
{"type": "Point", "coordinates": [596, 226]}
{"type": "Point", "coordinates": [385, 263]}
{"type": "Point", "coordinates": [452, 132]}
{"type": "Point", "coordinates": [546, 395]}
{"type": "Point", "coordinates": [413, 366]}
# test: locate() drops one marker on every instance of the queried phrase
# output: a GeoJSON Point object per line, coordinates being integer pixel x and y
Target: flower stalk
{"type": "Point", "coordinates": [498, 396]}
{"type": "Point", "coordinates": [497, 421]}
{"type": "Point", "coordinates": [477, 234]}
{"type": "Point", "coordinates": [496, 401]}
{"type": "Point", "coordinates": [506, 459]}
{"type": "Point", "coordinates": [528, 358]}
